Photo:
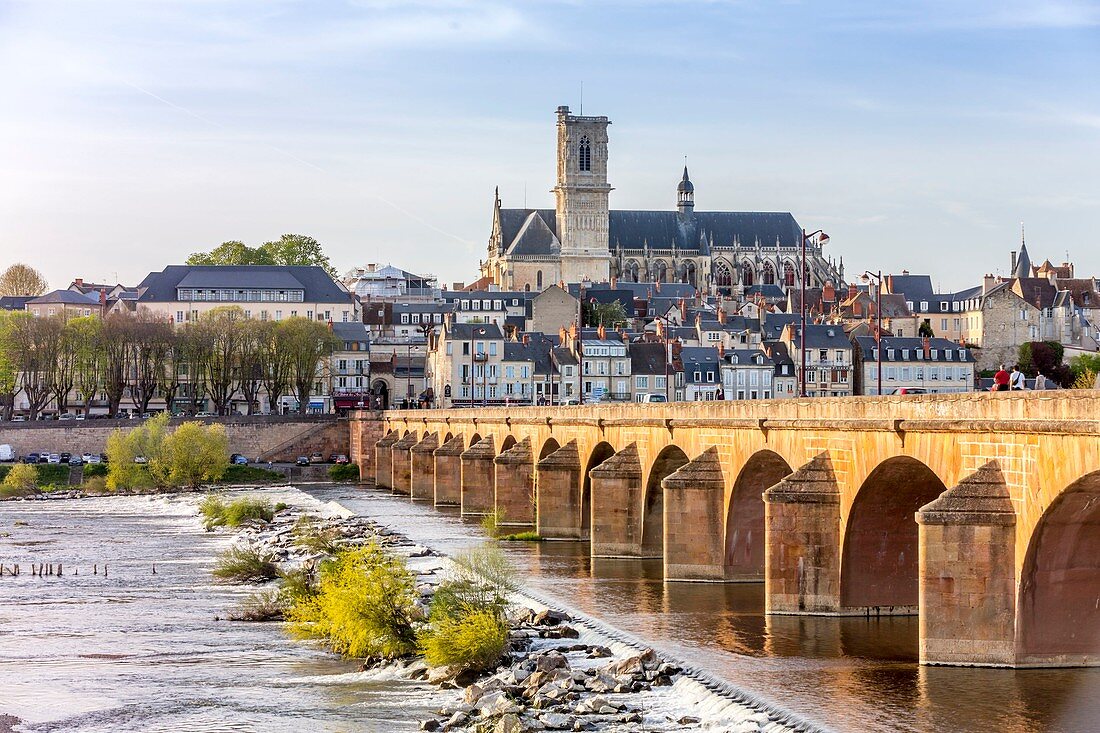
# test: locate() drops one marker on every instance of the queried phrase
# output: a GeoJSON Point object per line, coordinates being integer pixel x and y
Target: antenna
{"type": "Point", "coordinates": [1021, 234]}
{"type": "Point", "coordinates": [582, 99]}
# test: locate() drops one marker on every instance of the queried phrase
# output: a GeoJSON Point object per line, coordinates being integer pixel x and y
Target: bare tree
{"type": "Point", "coordinates": [221, 327]}
{"type": "Point", "coordinates": [194, 348]}
{"type": "Point", "coordinates": [276, 357]}
{"type": "Point", "coordinates": [116, 334]}
{"type": "Point", "coordinates": [250, 361]}
{"type": "Point", "coordinates": [34, 344]}
{"type": "Point", "coordinates": [64, 371]}
{"type": "Point", "coordinates": [21, 279]}
{"type": "Point", "coordinates": [307, 342]}
{"type": "Point", "coordinates": [88, 357]}
{"type": "Point", "coordinates": [149, 352]}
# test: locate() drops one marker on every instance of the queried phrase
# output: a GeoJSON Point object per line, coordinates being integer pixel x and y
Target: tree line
{"type": "Point", "coordinates": [140, 356]}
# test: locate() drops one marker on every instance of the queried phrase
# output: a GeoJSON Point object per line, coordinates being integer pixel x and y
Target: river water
{"type": "Point", "coordinates": [135, 651]}
{"type": "Point", "coordinates": [846, 674]}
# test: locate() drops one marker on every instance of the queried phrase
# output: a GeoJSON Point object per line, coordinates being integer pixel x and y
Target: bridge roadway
{"type": "Point", "coordinates": [980, 512]}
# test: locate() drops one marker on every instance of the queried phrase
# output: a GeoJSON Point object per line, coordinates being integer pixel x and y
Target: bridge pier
{"type": "Point", "coordinates": [967, 573]}
{"type": "Point", "coordinates": [383, 467]}
{"type": "Point", "coordinates": [401, 463]}
{"type": "Point", "coordinates": [559, 505]}
{"type": "Point", "coordinates": [617, 505]}
{"type": "Point", "coordinates": [478, 480]}
{"type": "Point", "coordinates": [802, 557]}
{"type": "Point", "coordinates": [515, 486]}
{"type": "Point", "coordinates": [694, 521]}
{"type": "Point", "coordinates": [448, 472]}
{"type": "Point", "coordinates": [422, 468]}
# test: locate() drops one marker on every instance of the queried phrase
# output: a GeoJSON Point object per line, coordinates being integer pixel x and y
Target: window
{"type": "Point", "coordinates": [584, 154]}
{"type": "Point", "coordinates": [278, 315]}
{"type": "Point", "coordinates": [943, 324]}
{"type": "Point", "coordinates": [710, 376]}
{"type": "Point", "coordinates": [924, 306]}
{"type": "Point", "coordinates": [345, 317]}
{"type": "Point", "coordinates": [823, 356]}
{"type": "Point", "coordinates": [641, 382]}
{"type": "Point", "coordinates": [659, 381]}
{"type": "Point", "coordinates": [492, 348]}
{"type": "Point", "coordinates": [944, 305]}
{"type": "Point", "coordinates": [698, 376]}
{"type": "Point", "coordinates": [839, 356]}
{"type": "Point", "coordinates": [465, 348]}
{"type": "Point", "coordinates": [179, 316]}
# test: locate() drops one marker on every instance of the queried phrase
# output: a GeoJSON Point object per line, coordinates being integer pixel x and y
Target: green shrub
{"type": "Point", "coordinates": [92, 470]}
{"type": "Point", "coordinates": [311, 537]}
{"type": "Point", "coordinates": [235, 474]}
{"type": "Point", "coordinates": [245, 565]}
{"type": "Point", "coordinates": [528, 536]}
{"type": "Point", "coordinates": [474, 641]}
{"type": "Point", "coordinates": [53, 473]}
{"type": "Point", "coordinates": [298, 585]}
{"type": "Point", "coordinates": [365, 605]}
{"type": "Point", "coordinates": [4, 471]}
{"type": "Point", "coordinates": [344, 472]}
{"type": "Point", "coordinates": [216, 513]}
{"type": "Point", "coordinates": [95, 485]}
{"type": "Point", "coordinates": [191, 455]}
{"type": "Point", "coordinates": [21, 480]}
{"type": "Point", "coordinates": [491, 522]}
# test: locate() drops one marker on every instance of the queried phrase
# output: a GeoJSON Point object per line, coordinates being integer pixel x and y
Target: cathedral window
{"type": "Point", "coordinates": [788, 274]}
{"type": "Point", "coordinates": [767, 275]}
{"type": "Point", "coordinates": [584, 155]}
{"type": "Point", "coordinates": [538, 280]}
{"type": "Point", "coordinates": [723, 277]}
{"type": "Point", "coordinates": [747, 276]}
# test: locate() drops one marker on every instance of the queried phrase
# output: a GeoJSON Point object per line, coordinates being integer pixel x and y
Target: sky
{"type": "Point", "coordinates": [919, 135]}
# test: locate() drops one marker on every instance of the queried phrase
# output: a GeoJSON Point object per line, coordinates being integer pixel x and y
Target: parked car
{"type": "Point", "coordinates": [30, 458]}
{"type": "Point", "coordinates": [142, 460]}
{"type": "Point", "coordinates": [238, 460]}
{"type": "Point", "coordinates": [19, 418]}
{"type": "Point", "coordinates": [66, 456]}
{"type": "Point", "coordinates": [316, 458]}
{"type": "Point", "coordinates": [44, 456]}
{"type": "Point", "coordinates": [910, 390]}
{"type": "Point", "coordinates": [54, 458]}
{"type": "Point", "coordinates": [302, 461]}
{"type": "Point", "coordinates": [205, 414]}
{"type": "Point", "coordinates": [339, 458]}
{"type": "Point", "coordinates": [75, 461]}
{"type": "Point", "coordinates": [7, 453]}
{"type": "Point", "coordinates": [80, 416]}
{"type": "Point", "coordinates": [90, 458]}
{"type": "Point", "coordinates": [102, 457]}
{"type": "Point", "coordinates": [650, 398]}
{"type": "Point", "coordinates": [66, 416]}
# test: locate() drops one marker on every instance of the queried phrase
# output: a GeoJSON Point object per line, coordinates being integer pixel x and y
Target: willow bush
{"type": "Point", "coordinates": [365, 606]}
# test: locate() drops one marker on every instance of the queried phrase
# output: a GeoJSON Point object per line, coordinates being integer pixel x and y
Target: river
{"type": "Point", "coordinates": [134, 651]}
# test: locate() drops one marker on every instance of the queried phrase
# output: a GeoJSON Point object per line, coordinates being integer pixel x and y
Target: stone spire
{"type": "Point", "coordinates": [685, 194]}
{"type": "Point", "coordinates": [1023, 262]}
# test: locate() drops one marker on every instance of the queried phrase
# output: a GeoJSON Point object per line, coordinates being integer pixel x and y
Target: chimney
{"type": "Point", "coordinates": [853, 291]}
{"type": "Point", "coordinates": [102, 298]}
{"type": "Point", "coordinates": [1013, 262]}
{"type": "Point", "coordinates": [614, 282]}
{"type": "Point", "coordinates": [828, 292]}
{"type": "Point", "coordinates": [657, 286]}
{"type": "Point", "coordinates": [987, 283]}
{"type": "Point", "coordinates": [683, 310]}
{"type": "Point", "coordinates": [721, 350]}
{"type": "Point", "coordinates": [79, 282]}
{"type": "Point", "coordinates": [526, 339]}
{"type": "Point", "coordinates": [601, 332]}
{"type": "Point", "coordinates": [561, 335]}
{"type": "Point", "coordinates": [927, 343]}
{"type": "Point", "coordinates": [721, 314]}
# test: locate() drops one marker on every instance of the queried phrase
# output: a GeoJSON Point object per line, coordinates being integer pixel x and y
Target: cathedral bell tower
{"type": "Point", "coordinates": [582, 197]}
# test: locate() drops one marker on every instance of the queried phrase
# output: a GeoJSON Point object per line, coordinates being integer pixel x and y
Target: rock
{"type": "Point", "coordinates": [687, 720]}
{"type": "Point", "coordinates": [597, 652]}
{"type": "Point", "coordinates": [508, 723]}
{"type": "Point", "coordinates": [632, 665]}
{"type": "Point", "coordinates": [568, 632]}
{"type": "Point", "coordinates": [490, 700]}
{"type": "Point", "coordinates": [556, 721]}
{"type": "Point", "coordinates": [456, 721]}
{"type": "Point", "coordinates": [550, 661]}
{"type": "Point", "coordinates": [549, 618]}
{"type": "Point", "coordinates": [429, 725]}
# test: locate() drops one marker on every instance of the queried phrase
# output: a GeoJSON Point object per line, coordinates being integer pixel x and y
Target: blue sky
{"type": "Point", "coordinates": [918, 135]}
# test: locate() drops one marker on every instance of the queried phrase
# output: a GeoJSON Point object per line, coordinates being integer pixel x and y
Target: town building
{"type": "Point", "coordinates": [926, 364]}
{"type": "Point", "coordinates": [828, 359]}
{"type": "Point", "coordinates": [649, 370]}
{"type": "Point", "coordinates": [465, 363]}
{"type": "Point", "coordinates": [388, 283]}
{"type": "Point", "coordinates": [747, 374]}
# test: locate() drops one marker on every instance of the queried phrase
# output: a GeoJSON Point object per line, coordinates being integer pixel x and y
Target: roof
{"type": "Point", "coordinates": [468, 331]}
{"type": "Point", "coordinates": [649, 291]}
{"type": "Point", "coordinates": [535, 231]}
{"type": "Point", "coordinates": [894, 346]}
{"type": "Point", "coordinates": [14, 302]}
{"type": "Point", "coordinates": [914, 287]}
{"type": "Point", "coordinates": [701, 359]}
{"type": "Point", "coordinates": [66, 297]}
{"type": "Point", "coordinates": [351, 331]}
{"type": "Point", "coordinates": [319, 287]}
{"type": "Point", "coordinates": [748, 357]}
{"type": "Point", "coordinates": [820, 336]}
{"type": "Point", "coordinates": [1038, 291]}
{"type": "Point", "coordinates": [1023, 263]}
{"type": "Point", "coordinates": [647, 358]}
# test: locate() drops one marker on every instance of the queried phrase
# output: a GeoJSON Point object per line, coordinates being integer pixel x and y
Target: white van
{"type": "Point", "coordinates": [651, 398]}
{"type": "Point", "coordinates": [6, 453]}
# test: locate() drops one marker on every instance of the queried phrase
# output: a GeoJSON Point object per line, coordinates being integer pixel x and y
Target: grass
{"type": "Point", "coordinates": [528, 536]}
{"type": "Point", "coordinates": [216, 513]}
{"type": "Point", "coordinates": [263, 606]}
{"type": "Point", "coordinates": [91, 470]}
{"type": "Point", "coordinates": [236, 474]}
{"type": "Point", "coordinates": [245, 565]}
{"type": "Point", "coordinates": [344, 472]}
{"type": "Point", "coordinates": [311, 537]}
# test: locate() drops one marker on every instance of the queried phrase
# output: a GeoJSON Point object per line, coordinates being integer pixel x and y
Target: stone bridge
{"type": "Point", "coordinates": [980, 512]}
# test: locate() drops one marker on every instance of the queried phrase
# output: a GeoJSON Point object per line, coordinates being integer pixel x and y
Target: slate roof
{"type": "Point", "coordinates": [351, 331]}
{"type": "Point", "coordinates": [465, 331]}
{"type": "Point", "coordinates": [701, 359]}
{"type": "Point", "coordinates": [896, 344]}
{"type": "Point", "coordinates": [628, 229]}
{"type": "Point", "coordinates": [14, 302]}
{"type": "Point", "coordinates": [914, 287]}
{"type": "Point", "coordinates": [1023, 263]}
{"type": "Point", "coordinates": [1038, 291]}
{"type": "Point", "coordinates": [160, 287]}
{"type": "Point", "coordinates": [66, 297]}
{"type": "Point", "coordinates": [647, 358]}
{"type": "Point", "coordinates": [820, 336]}
{"type": "Point", "coordinates": [742, 357]}
{"type": "Point", "coordinates": [649, 290]}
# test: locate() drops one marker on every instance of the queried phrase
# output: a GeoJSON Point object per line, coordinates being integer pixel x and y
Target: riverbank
{"type": "Point", "coordinates": [561, 672]}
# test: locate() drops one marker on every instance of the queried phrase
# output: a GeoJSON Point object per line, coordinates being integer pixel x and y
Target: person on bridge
{"type": "Point", "coordinates": [1017, 378]}
{"type": "Point", "coordinates": [1001, 380]}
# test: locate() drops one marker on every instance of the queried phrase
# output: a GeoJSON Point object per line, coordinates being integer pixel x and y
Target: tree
{"type": "Point", "coordinates": [149, 355]}
{"type": "Point", "coordinates": [8, 375]}
{"type": "Point", "coordinates": [605, 314]}
{"type": "Point", "coordinates": [232, 253]}
{"type": "Point", "coordinates": [86, 333]}
{"type": "Point", "coordinates": [298, 249]}
{"type": "Point", "coordinates": [20, 279]}
{"type": "Point", "coordinates": [1045, 357]}
{"type": "Point", "coordinates": [115, 334]}
{"type": "Point", "coordinates": [276, 357]}
{"type": "Point", "coordinates": [250, 361]}
{"type": "Point", "coordinates": [220, 330]}
{"type": "Point", "coordinates": [64, 372]}
{"type": "Point", "coordinates": [926, 329]}
{"type": "Point", "coordinates": [193, 352]}
{"type": "Point", "coordinates": [307, 343]}
{"type": "Point", "coordinates": [33, 344]}
{"type": "Point", "coordinates": [191, 455]}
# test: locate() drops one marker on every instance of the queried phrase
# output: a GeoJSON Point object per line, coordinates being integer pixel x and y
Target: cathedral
{"type": "Point", "coordinates": [582, 239]}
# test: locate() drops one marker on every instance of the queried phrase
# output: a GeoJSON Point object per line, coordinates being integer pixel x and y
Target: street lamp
{"type": "Point", "coordinates": [822, 238]}
{"type": "Point", "coordinates": [662, 327]}
{"type": "Point", "coordinates": [868, 277]}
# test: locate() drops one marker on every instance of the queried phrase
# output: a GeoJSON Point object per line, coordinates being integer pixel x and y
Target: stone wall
{"type": "Point", "coordinates": [274, 438]}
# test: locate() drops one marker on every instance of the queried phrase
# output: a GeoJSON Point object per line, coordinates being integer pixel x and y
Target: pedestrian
{"type": "Point", "coordinates": [1001, 380]}
{"type": "Point", "coordinates": [1016, 379]}
{"type": "Point", "coordinates": [1040, 381]}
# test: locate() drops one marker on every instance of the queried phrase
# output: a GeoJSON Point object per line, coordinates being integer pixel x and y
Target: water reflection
{"type": "Point", "coordinates": [847, 673]}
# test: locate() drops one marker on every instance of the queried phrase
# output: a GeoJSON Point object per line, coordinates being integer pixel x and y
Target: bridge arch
{"type": "Point", "coordinates": [508, 442]}
{"type": "Point", "coordinates": [1058, 615]}
{"type": "Point", "coordinates": [548, 447]}
{"type": "Point", "coordinates": [447, 437]}
{"type": "Point", "coordinates": [744, 529]}
{"type": "Point", "coordinates": [600, 453]}
{"type": "Point", "coordinates": [667, 462]}
{"type": "Point", "coordinates": [880, 557]}
{"type": "Point", "coordinates": [474, 439]}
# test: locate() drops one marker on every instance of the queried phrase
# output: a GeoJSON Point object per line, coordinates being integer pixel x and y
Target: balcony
{"type": "Point", "coordinates": [481, 357]}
